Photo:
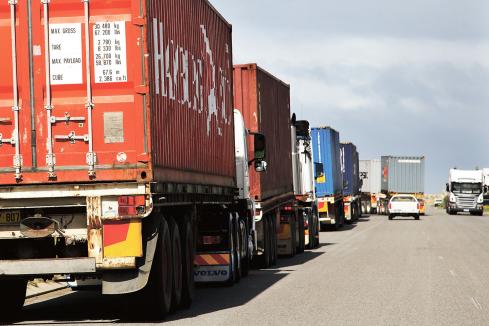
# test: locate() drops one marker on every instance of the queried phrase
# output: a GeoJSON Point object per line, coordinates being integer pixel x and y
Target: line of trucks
{"type": "Point", "coordinates": [135, 155]}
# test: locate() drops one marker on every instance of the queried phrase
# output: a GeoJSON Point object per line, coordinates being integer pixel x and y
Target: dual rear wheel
{"type": "Point", "coordinates": [171, 282]}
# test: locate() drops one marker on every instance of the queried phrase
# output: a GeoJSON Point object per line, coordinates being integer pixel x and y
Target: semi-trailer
{"type": "Point", "coordinates": [264, 102]}
{"type": "Point", "coordinates": [465, 190]}
{"type": "Point", "coordinates": [328, 178]}
{"type": "Point", "coordinates": [370, 174]}
{"type": "Point", "coordinates": [303, 171]}
{"type": "Point", "coordinates": [351, 181]}
{"type": "Point", "coordinates": [117, 151]}
{"type": "Point", "coordinates": [401, 175]}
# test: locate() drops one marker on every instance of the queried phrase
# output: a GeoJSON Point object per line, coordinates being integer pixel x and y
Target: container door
{"type": "Point", "coordinates": [15, 122]}
{"type": "Point", "coordinates": [89, 69]}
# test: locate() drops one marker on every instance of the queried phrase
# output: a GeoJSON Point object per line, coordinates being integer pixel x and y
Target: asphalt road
{"type": "Point", "coordinates": [376, 272]}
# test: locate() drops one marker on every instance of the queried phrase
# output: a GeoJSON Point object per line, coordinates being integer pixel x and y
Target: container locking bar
{"type": "Point", "coordinates": [67, 118]}
{"type": "Point", "coordinates": [50, 157]}
{"type": "Point", "coordinates": [91, 155]}
{"type": "Point", "coordinates": [72, 137]}
{"type": "Point", "coordinates": [17, 159]}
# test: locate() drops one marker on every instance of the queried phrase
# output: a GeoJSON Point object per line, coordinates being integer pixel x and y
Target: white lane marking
{"type": "Point", "coordinates": [476, 303]}
{"type": "Point", "coordinates": [452, 272]}
{"type": "Point", "coordinates": [440, 257]}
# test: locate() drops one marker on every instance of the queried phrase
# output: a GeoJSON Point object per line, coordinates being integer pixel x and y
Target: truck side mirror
{"type": "Point", "coordinates": [259, 146]}
{"type": "Point", "coordinates": [486, 189]}
{"type": "Point", "coordinates": [261, 166]}
{"type": "Point", "coordinates": [448, 187]}
{"type": "Point", "coordinates": [318, 169]}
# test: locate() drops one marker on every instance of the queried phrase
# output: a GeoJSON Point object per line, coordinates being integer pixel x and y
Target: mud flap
{"type": "Point", "coordinates": [213, 268]}
{"type": "Point", "coordinates": [130, 281]}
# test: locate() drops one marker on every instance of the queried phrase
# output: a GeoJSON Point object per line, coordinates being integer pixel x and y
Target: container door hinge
{"type": "Point", "coordinates": [139, 21]}
{"type": "Point", "coordinates": [142, 89]}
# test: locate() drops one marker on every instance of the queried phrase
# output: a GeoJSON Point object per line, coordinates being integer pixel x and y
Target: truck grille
{"type": "Point", "coordinates": [466, 201]}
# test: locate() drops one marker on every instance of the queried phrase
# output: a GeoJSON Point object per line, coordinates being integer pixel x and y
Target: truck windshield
{"type": "Point", "coordinates": [467, 188]}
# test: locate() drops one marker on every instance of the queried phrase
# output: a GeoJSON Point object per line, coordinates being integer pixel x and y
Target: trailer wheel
{"type": "Point", "coordinates": [159, 289]}
{"type": "Point", "coordinates": [12, 298]}
{"type": "Point", "coordinates": [302, 235]}
{"type": "Point", "coordinates": [273, 227]}
{"type": "Point", "coordinates": [177, 264]}
{"type": "Point", "coordinates": [188, 254]}
{"type": "Point", "coordinates": [269, 240]}
{"type": "Point", "coordinates": [293, 237]}
{"type": "Point", "coordinates": [245, 255]}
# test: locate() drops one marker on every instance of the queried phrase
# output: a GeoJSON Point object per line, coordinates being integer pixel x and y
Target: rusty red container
{"type": "Point", "coordinates": [264, 101]}
{"type": "Point", "coordinates": [115, 90]}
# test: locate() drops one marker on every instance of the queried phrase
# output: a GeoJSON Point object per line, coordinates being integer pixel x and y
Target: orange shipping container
{"type": "Point", "coordinates": [264, 102]}
{"type": "Point", "coordinates": [118, 90]}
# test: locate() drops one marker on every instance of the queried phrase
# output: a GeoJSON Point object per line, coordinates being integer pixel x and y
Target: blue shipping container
{"type": "Point", "coordinates": [327, 161]}
{"type": "Point", "coordinates": [350, 168]}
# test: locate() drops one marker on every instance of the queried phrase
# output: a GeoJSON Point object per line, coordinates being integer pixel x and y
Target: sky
{"type": "Point", "coordinates": [394, 77]}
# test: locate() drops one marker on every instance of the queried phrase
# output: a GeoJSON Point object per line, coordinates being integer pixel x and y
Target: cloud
{"type": "Point", "coordinates": [394, 77]}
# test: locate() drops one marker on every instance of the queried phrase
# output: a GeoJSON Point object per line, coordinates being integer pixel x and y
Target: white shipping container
{"type": "Point", "coordinates": [370, 174]}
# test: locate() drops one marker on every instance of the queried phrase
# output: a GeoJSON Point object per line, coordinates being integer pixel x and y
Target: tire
{"type": "Point", "coordinates": [263, 261]}
{"type": "Point", "coordinates": [302, 243]}
{"type": "Point", "coordinates": [293, 237]}
{"type": "Point", "coordinates": [274, 243]}
{"type": "Point", "coordinates": [158, 293]}
{"type": "Point", "coordinates": [416, 217]}
{"type": "Point", "coordinates": [188, 254]}
{"type": "Point", "coordinates": [236, 270]}
{"type": "Point", "coordinates": [245, 255]}
{"type": "Point", "coordinates": [177, 265]}
{"type": "Point", "coordinates": [391, 216]}
{"type": "Point", "coordinates": [12, 298]}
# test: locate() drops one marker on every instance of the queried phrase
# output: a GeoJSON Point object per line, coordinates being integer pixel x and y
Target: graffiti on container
{"type": "Point", "coordinates": [193, 80]}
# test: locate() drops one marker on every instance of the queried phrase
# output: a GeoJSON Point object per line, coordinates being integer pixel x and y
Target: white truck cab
{"type": "Point", "coordinates": [465, 192]}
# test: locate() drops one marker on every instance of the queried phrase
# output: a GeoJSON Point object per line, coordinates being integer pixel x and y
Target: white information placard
{"type": "Point", "coordinates": [109, 49]}
{"type": "Point", "coordinates": [65, 49]}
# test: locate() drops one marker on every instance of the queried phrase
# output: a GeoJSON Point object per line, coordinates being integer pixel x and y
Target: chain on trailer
{"type": "Point", "coordinates": [14, 140]}
{"type": "Point", "coordinates": [72, 137]}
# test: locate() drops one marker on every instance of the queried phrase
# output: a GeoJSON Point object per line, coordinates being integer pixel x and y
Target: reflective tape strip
{"type": "Point", "coordinates": [212, 259]}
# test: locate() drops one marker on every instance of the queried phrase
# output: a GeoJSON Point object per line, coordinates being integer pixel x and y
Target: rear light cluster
{"type": "Point", "coordinates": [390, 206]}
{"type": "Point", "coordinates": [132, 205]}
{"type": "Point", "coordinates": [211, 239]}
{"type": "Point", "coordinates": [419, 206]}
{"type": "Point", "coordinates": [288, 208]}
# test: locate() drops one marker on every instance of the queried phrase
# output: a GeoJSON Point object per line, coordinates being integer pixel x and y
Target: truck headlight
{"type": "Point", "coordinates": [452, 198]}
{"type": "Point", "coordinates": [480, 200]}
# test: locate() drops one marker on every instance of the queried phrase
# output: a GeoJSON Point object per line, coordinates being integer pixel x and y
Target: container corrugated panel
{"type": "Point", "coordinates": [370, 174]}
{"type": "Point", "coordinates": [264, 102]}
{"type": "Point", "coordinates": [192, 107]}
{"type": "Point", "coordinates": [326, 151]}
{"type": "Point", "coordinates": [403, 174]}
{"type": "Point", "coordinates": [350, 169]}
{"type": "Point", "coordinates": [159, 88]}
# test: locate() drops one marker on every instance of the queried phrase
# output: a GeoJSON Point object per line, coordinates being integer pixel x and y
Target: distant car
{"type": "Point", "coordinates": [438, 202]}
{"type": "Point", "coordinates": [422, 207]}
{"type": "Point", "coordinates": [404, 205]}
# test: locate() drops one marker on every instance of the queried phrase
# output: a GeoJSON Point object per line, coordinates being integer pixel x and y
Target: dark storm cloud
{"type": "Point", "coordinates": [395, 77]}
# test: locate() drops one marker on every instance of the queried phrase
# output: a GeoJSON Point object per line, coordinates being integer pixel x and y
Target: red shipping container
{"type": "Point", "coordinates": [143, 91]}
{"type": "Point", "coordinates": [264, 102]}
